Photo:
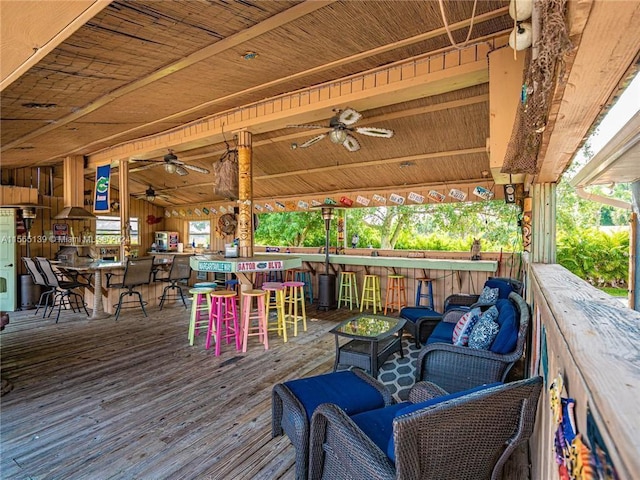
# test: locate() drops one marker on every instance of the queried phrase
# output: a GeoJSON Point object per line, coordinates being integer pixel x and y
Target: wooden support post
{"type": "Point", "coordinates": [245, 194]}
{"type": "Point", "coordinates": [125, 230]}
{"type": "Point", "coordinates": [73, 181]}
{"type": "Point", "coordinates": [543, 230]}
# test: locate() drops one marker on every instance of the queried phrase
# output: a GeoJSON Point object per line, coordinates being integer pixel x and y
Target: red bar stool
{"type": "Point", "coordinates": [275, 300]}
{"type": "Point", "coordinates": [223, 320]}
{"type": "Point", "coordinates": [201, 303]}
{"type": "Point", "coordinates": [371, 293]}
{"type": "Point", "coordinates": [249, 314]}
{"type": "Point", "coordinates": [396, 294]}
{"type": "Point", "coordinates": [294, 299]}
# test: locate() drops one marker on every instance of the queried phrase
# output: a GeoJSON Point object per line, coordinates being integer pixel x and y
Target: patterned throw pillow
{"type": "Point", "coordinates": [464, 326]}
{"type": "Point", "coordinates": [485, 331]}
{"type": "Point", "coordinates": [489, 296]}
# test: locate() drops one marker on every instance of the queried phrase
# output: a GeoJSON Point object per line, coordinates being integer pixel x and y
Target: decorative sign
{"type": "Point", "coordinates": [189, 212]}
{"type": "Point", "coordinates": [205, 210]}
{"type": "Point", "coordinates": [258, 207]}
{"type": "Point", "coordinates": [416, 197]}
{"type": "Point", "coordinates": [268, 206]}
{"type": "Point", "coordinates": [329, 201]}
{"type": "Point", "coordinates": [303, 205]}
{"type": "Point", "coordinates": [483, 193]}
{"type": "Point", "coordinates": [395, 198]}
{"type": "Point", "coordinates": [174, 213]}
{"type": "Point", "coordinates": [280, 205]}
{"type": "Point", "coordinates": [60, 232]}
{"type": "Point", "coordinates": [436, 196]}
{"type": "Point", "coordinates": [214, 267]}
{"type": "Point", "coordinates": [315, 203]}
{"type": "Point", "coordinates": [223, 209]}
{"type": "Point", "coordinates": [346, 201]}
{"type": "Point", "coordinates": [213, 210]}
{"type": "Point", "coordinates": [259, 266]}
{"type": "Point", "coordinates": [167, 213]}
{"type": "Point", "coordinates": [272, 249]}
{"type": "Point", "coordinates": [457, 194]}
{"type": "Point", "coordinates": [198, 212]}
{"type": "Point", "coordinates": [101, 194]}
{"type": "Point", "coordinates": [362, 200]}
{"type": "Point", "coordinates": [182, 212]}
{"type": "Point", "coordinates": [379, 198]}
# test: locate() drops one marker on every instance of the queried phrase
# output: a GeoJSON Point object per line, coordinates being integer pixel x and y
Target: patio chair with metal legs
{"type": "Point", "coordinates": [180, 271]}
{"type": "Point", "coordinates": [39, 279]}
{"type": "Point", "coordinates": [136, 272]}
{"type": "Point", "coordinates": [64, 290]}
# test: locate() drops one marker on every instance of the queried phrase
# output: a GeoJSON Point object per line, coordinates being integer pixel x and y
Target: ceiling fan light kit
{"type": "Point", "coordinates": [170, 168]}
{"type": "Point", "coordinates": [341, 129]}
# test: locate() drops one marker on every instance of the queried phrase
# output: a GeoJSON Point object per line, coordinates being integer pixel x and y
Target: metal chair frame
{"type": "Point", "coordinates": [136, 272]}
{"type": "Point", "coordinates": [180, 271]}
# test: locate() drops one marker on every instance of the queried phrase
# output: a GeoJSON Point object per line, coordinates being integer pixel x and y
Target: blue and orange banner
{"type": "Point", "coordinates": [101, 201]}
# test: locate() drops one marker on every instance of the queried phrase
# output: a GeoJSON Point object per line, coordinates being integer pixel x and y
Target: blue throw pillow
{"type": "Point", "coordinates": [485, 331]}
{"type": "Point", "coordinates": [489, 296]}
{"type": "Point", "coordinates": [345, 389]}
{"type": "Point", "coordinates": [414, 407]}
{"type": "Point", "coordinates": [504, 287]}
{"type": "Point", "coordinates": [509, 321]}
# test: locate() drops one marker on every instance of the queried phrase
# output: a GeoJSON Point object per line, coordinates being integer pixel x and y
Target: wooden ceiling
{"type": "Point", "coordinates": [135, 79]}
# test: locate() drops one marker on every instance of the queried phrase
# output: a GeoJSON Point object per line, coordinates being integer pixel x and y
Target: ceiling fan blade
{"type": "Point", "coordinates": [313, 140]}
{"type": "Point", "coordinates": [307, 126]}
{"type": "Point", "coordinates": [144, 167]}
{"type": "Point", "coordinates": [375, 132]}
{"type": "Point", "coordinates": [349, 116]}
{"type": "Point", "coordinates": [195, 168]}
{"type": "Point", "coordinates": [351, 144]}
{"type": "Point", "coordinates": [181, 171]}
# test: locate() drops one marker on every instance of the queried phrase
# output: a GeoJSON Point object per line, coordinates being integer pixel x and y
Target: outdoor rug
{"type": "Point", "coordinates": [399, 374]}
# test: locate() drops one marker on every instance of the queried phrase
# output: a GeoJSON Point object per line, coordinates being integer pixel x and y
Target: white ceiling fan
{"type": "Point", "coordinates": [171, 165]}
{"type": "Point", "coordinates": [341, 125]}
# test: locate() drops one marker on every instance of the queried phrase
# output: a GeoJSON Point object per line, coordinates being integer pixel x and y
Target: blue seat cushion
{"type": "Point", "coordinates": [442, 333]}
{"type": "Point", "coordinates": [413, 407]}
{"type": "Point", "coordinates": [413, 314]}
{"type": "Point", "coordinates": [378, 424]}
{"type": "Point", "coordinates": [504, 287]}
{"type": "Point", "coordinates": [344, 389]}
{"type": "Point", "coordinates": [508, 319]}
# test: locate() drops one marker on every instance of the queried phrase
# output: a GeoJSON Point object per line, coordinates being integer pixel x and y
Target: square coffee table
{"type": "Point", "coordinates": [373, 339]}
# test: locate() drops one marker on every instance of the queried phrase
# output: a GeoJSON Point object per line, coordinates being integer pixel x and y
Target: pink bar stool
{"type": "Point", "coordinates": [294, 298]}
{"type": "Point", "coordinates": [275, 300]}
{"type": "Point", "coordinates": [249, 328]}
{"type": "Point", "coordinates": [223, 319]}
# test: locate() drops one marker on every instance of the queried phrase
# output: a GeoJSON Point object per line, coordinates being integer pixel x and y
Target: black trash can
{"type": "Point", "coordinates": [29, 293]}
{"type": "Point", "coordinates": [326, 292]}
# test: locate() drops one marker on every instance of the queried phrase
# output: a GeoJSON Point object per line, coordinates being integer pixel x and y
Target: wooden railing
{"type": "Point", "coordinates": [593, 341]}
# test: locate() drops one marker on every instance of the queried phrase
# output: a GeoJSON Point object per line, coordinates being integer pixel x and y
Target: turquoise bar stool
{"type": "Point", "coordinates": [304, 275]}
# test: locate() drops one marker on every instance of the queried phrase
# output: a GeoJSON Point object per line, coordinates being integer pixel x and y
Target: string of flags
{"type": "Point", "coordinates": [413, 198]}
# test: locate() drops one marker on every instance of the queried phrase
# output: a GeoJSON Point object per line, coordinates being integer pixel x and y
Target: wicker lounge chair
{"type": "Point", "coordinates": [294, 402]}
{"type": "Point", "coordinates": [457, 368]}
{"type": "Point", "coordinates": [467, 437]}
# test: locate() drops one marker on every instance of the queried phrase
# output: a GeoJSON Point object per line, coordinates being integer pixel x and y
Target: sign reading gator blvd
{"type": "Point", "coordinates": [259, 266]}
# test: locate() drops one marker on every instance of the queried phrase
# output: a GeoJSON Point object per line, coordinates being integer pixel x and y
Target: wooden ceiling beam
{"type": "Point", "coordinates": [386, 161]}
{"type": "Point", "coordinates": [400, 82]}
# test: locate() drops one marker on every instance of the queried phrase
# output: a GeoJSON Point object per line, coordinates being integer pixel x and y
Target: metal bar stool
{"type": "Point", "coordinates": [396, 294]}
{"type": "Point", "coordinates": [348, 289]}
{"type": "Point", "coordinates": [294, 298]}
{"type": "Point", "coordinates": [249, 314]}
{"type": "Point", "coordinates": [428, 295]}
{"type": "Point", "coordinates": [371, 293]}
{"type": "Point", "coordinates": [275, 300]}
{"type": "Point", "coordinates": [201, 303]}
{"type": "Point", "coordinates": [223, 319]}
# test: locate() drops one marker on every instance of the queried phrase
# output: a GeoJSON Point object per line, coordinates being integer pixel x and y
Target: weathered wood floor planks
{"type": "Point", "coordinates": [100, 399]}
{"type": "Point", "coordinates": [131, 399]}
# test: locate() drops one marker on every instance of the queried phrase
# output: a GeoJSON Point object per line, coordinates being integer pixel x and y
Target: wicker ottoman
{"type": "Point", "coordinates": [294, 402]}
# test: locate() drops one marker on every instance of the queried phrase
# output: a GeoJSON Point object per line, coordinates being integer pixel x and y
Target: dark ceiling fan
{"type": "Point", "coordinates": [150, 195]}
{"type": "Point", "coordinates": [171, 165]}
{"type": "Point", "coordinates": [342, 129]}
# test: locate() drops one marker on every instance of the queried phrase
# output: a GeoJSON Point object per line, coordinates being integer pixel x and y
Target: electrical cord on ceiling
{"type": "Point", "coordinates": [448, 29]}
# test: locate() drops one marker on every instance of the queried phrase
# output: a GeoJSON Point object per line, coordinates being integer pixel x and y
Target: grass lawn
{"type": "Point", "coordinates": [615, 292]}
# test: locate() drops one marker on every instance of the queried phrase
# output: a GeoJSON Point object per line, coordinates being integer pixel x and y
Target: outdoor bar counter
{"type": "Point", "coordinates": [449, 275]}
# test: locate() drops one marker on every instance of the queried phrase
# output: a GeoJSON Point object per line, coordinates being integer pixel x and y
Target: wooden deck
{"type": "Point", "coordinates": [102, 399]}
